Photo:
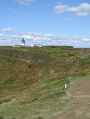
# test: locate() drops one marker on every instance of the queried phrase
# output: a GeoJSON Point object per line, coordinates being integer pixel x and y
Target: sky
{"type": "Point", "coordinates": [45, 22]}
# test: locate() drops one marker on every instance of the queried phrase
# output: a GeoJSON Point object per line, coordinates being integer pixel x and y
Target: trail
{"type": "Point", "coordinates": [78, 97]}
{"type": "Point", "coordinates": [80, 91]}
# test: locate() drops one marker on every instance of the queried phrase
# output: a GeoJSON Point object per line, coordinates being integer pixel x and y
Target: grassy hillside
{"type": "Point", "coordinates": [32, 80]}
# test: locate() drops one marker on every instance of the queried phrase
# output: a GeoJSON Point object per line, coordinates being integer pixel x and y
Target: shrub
{"type": "Point", "coordinates": [39, 117]}
{"type": "Point", "coordinates": [1, 117]}
{"type": "Point", "coordinates": [62, 55]}
{"type": "Point", "coordinates": [74, 53]}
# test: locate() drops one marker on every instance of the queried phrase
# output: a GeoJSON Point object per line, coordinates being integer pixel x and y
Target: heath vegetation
{"type": "Point", "coordinates": [32, 80]}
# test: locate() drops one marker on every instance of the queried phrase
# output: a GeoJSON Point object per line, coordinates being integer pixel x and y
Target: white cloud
{"type": "Point", "coordinates": [44, 39]}
{"type": "Point", "coordinates": [14, 36]}
{"type": "Point", "coordinates": [7, 29]}
{"type": "Point", "coordinates": [24, 2]}
{"type": "Point", "coordinates": [67, 19]}
{"type": "Point", "coordinates": [35, 26]}
{"type": "Point", "coordinates": [24, 15]}
{"type": "Point", "coordinates": [81, 10]}
{"type": "Point", "coordinates": [86, 40]}
{"type": "Point", "coordinates": [1, 35]}
{"type": "Point", "coordinates": [1, 39]}
{"type": "Point", "coordinates": [11, 31]}
{"type": "Point", "coordinates": [13, 11]}
{"type": "Point", "coordinates": [31, 35]}
{"type": "Point", "coordinates": [59, 9]}
{"type": "Point", "coordinates": [52, 39]}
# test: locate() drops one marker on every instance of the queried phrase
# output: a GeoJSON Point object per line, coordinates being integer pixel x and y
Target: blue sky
{"type": "Point", "coordinates": [46, 22]}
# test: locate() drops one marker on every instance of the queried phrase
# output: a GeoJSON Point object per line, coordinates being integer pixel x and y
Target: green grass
{"type": "Point", "coordinates": [32, 80]}
{"type": "Point", "coordinates": [47, 109]}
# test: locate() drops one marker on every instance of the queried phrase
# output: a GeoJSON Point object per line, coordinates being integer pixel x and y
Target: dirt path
{"type": "Point", "coordinates": [78, 97]}
{"type": "Point", "coordinates": [80, 91]}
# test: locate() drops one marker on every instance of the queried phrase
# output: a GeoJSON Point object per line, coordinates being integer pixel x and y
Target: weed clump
{"type": "Point", "coordinates": [1, 117]}
{"type": "Point", "coordinates": [39, 117]}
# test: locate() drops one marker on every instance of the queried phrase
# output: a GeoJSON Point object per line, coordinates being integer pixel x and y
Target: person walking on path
{"type": "Point", "coordinates": [65, 86]}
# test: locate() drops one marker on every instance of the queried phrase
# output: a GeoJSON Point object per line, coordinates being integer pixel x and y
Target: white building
{"type": "Point", "coordinates": [32, 45]}
{"type": "Point", "coordinates": [36, 45]}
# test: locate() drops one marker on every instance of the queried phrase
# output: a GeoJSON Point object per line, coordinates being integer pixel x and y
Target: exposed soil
{"type": "Point", "coordinates": [80, 91]}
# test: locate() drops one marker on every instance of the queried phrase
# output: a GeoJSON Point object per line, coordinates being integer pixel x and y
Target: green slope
{"type": "Point", "coordinates": [32, 77]}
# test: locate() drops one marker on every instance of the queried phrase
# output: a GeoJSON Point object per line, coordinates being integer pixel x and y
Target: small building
{"type": "Point", "coordinates": [33, 45]}
{"type": "Point", "coordinates": [40, 46]}
{"type": "Point", "coordinates": [17, 46]}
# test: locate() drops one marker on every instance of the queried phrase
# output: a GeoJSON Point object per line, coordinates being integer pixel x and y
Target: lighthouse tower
{"type": "Point", "coordinates": [23, 42]}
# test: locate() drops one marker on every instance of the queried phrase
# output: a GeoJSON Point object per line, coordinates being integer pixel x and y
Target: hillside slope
{"type": "Point", "coordinates": [32, 80]}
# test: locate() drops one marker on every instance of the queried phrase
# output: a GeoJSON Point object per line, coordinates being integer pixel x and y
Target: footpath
{"type": "Point", "coordinates": [80, 91]}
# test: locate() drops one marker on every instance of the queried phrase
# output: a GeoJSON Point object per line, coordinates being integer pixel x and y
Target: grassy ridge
{"type": "Point", "coordinates": [35, 75]}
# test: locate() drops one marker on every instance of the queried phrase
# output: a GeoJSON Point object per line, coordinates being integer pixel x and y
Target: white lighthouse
{"type": "Point", "coordinates": [23, 42]}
